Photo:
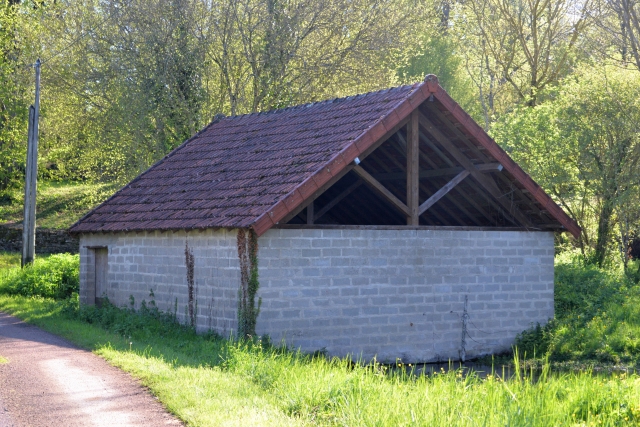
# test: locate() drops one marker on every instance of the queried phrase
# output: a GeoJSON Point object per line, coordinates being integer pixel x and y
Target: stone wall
{"type": "Point", "coordinates": [390, 293]}
{"type": "Point", "coordinates": [47, 241]}
{"type": "Point", "coordinates": [401, 293]}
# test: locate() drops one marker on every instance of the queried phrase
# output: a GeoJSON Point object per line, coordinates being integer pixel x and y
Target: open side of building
{"type": "Point", "coordinates": [385, 225]}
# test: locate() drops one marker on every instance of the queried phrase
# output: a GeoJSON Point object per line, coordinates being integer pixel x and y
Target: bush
{"type": "Point", "coordinates": [55, 276]}
{"type": "Point", "coordinates": [586, 289]}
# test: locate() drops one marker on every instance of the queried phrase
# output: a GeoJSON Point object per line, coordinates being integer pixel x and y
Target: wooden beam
{"type": "Point", "coordinates": [484, 180]}
{"type": "Point", "coordinates": [379, 188]}
{"type": "Point", "coordinates": [447, 122]}
{"type": "Point", "coordinates": [382, 165]}
{"type": "Point", "coordinates": [395, 227]}
{"type": "Point", "coordinates": [310, 216]}
{"type": "Point", "coordinates": [457, 189]}
{"type": "Point", "coordinates": [413, 169]}
{"type": "Point", "coordinates": [434, 173]}
{"type": "Point", "coordinates": [441, 192]}
{"type": "Point", "coordinates": [337, 199]}
{"type": "Point", "coordinates": [448, 214]}
{"type": "Point", "coordinates": [315, 195]}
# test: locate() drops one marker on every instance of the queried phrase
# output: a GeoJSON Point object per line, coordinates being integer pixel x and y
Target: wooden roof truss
{"type": "Point", "coordinates": [424, 172]}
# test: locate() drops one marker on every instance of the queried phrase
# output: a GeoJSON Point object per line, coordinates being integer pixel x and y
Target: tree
{"type": "Point", "coordinates": [274, 53]}
{"type": "Point", "coordinates": [583, 145]}
{"type": "Point", "coordinates": [13, 105]}
{"type": "Point", "coordinates": [619, 21]}
{"type": "Point", "coordinates": [525, 44]}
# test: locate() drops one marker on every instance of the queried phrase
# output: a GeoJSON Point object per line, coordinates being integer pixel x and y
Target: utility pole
{"type": "Point", "coordinates": [31, 175]}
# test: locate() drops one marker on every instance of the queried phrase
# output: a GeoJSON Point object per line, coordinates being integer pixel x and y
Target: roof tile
{"type": "Point", "coordinates": [238, 168]}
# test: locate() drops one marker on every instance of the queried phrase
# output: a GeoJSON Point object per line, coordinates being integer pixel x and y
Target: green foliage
{"type": "Point", "coordinates": [13, 108]}
{"type": "Point", "coordinates": [55, 276]}
{"type": "Point", "coordinates": [127, 322]}
{"type": "Point", "coordinates": [438, 54]}
{"type": "Point", "coordinates": [597, 317]}
{"type": "Point", "coordinates": [583, 146]}
{"type": "Point", "coordinates": [248, 308]}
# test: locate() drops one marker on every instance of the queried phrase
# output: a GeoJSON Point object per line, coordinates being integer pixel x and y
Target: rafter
{"type": "Point", "coordinates": [485, 180]}
{"type": "Point", "coordinates": [449, 125]}
{"type": "Point", "coordinates": [337, 199]}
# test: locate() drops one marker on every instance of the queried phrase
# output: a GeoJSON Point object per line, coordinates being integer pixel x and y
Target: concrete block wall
{"type": "Point", "coordinates": [141, 262]}
{"type": "Point", "coordinates": [401, 293]}
{"type": "Point", "coordinates": [385, 293]}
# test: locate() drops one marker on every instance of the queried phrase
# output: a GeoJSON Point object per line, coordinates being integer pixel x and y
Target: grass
{"type": "Point", "coordinates": [597, 318]}
{"type": "Point", "coordinates": [59, 203]}
{"type": "Point", "coordinates": [207, 380]}
{"type": "Point", "coordinates": [210, 381]}
{"type": "Point", "coordinates": [9, 260]}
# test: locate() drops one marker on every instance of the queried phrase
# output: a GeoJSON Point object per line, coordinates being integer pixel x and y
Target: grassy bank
{"type": "Point", "coordinates": [59, 203]}
{"type": "Point", "coordinates": [597, 320]}
{"type": "Point", "coordinates": [210, 381]}
{"type": "Point", "coordinates": [207, 380]}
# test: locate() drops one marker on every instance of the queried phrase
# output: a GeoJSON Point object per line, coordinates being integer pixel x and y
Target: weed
{"type": "Point", "coordinates": [55, 276]}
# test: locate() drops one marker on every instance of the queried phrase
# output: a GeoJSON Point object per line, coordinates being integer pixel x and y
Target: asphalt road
{"type": "Point", "coordinates": [50, 382]}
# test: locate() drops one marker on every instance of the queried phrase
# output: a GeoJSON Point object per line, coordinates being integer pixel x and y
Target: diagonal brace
{"type": "Point", "coordinates": [442, 192]}
{"type": "Point", "coordinates": [380, 189]}
{"type": "Point", "coordinates": [485, 180]}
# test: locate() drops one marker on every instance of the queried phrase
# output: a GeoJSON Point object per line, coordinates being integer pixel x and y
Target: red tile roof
{"type": "Point", "coordinates": [253, 170]}
{"type": "Point", "coordinates": [237, 168]}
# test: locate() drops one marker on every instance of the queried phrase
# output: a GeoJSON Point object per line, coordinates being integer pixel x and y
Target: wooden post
{"type": "Point", "coordinates": [31, 175]}
{"type": "Point", "coordinates": [413, 169]}
{"type": "Point", "coordinates": [310, 214]}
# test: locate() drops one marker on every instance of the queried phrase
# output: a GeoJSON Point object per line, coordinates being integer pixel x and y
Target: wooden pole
{"type": "Point", "coordinates": [413, 169]}
{"type": "Point", "coordinates": [310, 214]}
{"type": "Point", "coordinates": [31, 175]}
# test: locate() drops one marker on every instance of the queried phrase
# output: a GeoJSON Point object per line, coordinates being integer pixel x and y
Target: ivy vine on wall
{"type": "Point", "coordinates": [248, 310]}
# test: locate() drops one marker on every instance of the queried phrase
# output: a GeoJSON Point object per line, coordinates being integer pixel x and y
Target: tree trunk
{"type": "Point", "coordinates": [604, 226]}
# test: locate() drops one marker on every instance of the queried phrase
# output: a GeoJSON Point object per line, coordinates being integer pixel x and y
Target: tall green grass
{"type": "Point", "coordinates": [597, 316]}
{"type": "Point", "coordinates": [208, 380]}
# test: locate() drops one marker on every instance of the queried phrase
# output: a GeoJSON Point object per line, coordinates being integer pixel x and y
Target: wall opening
{"type": "Point", "coordinates": [101, 269]}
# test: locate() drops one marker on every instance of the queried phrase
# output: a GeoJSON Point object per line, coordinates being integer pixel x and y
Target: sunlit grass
{"type": "Point", "coordinates": [59, 203]}
{"type": "Point", "coordinates": [9, 260]}
{"type": "Point", "coordinates": [207, 380]}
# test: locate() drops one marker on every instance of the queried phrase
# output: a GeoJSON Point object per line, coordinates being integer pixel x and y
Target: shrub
{"type": "Point", "coordinates": [55, 276]}
{"type": "Point", "coordinates": [597, 317]}
{"type": "Point", "coordinates": [586, 289]}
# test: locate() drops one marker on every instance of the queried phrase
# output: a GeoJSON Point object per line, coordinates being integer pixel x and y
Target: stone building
{"type": "Point", "coordinates": [385, 224]}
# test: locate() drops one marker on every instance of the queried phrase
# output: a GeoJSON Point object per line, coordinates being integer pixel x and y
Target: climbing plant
{"type": "Point", "coordinates": [190, 263]}
{"type": "Point", "coordinates": [248, 310]}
